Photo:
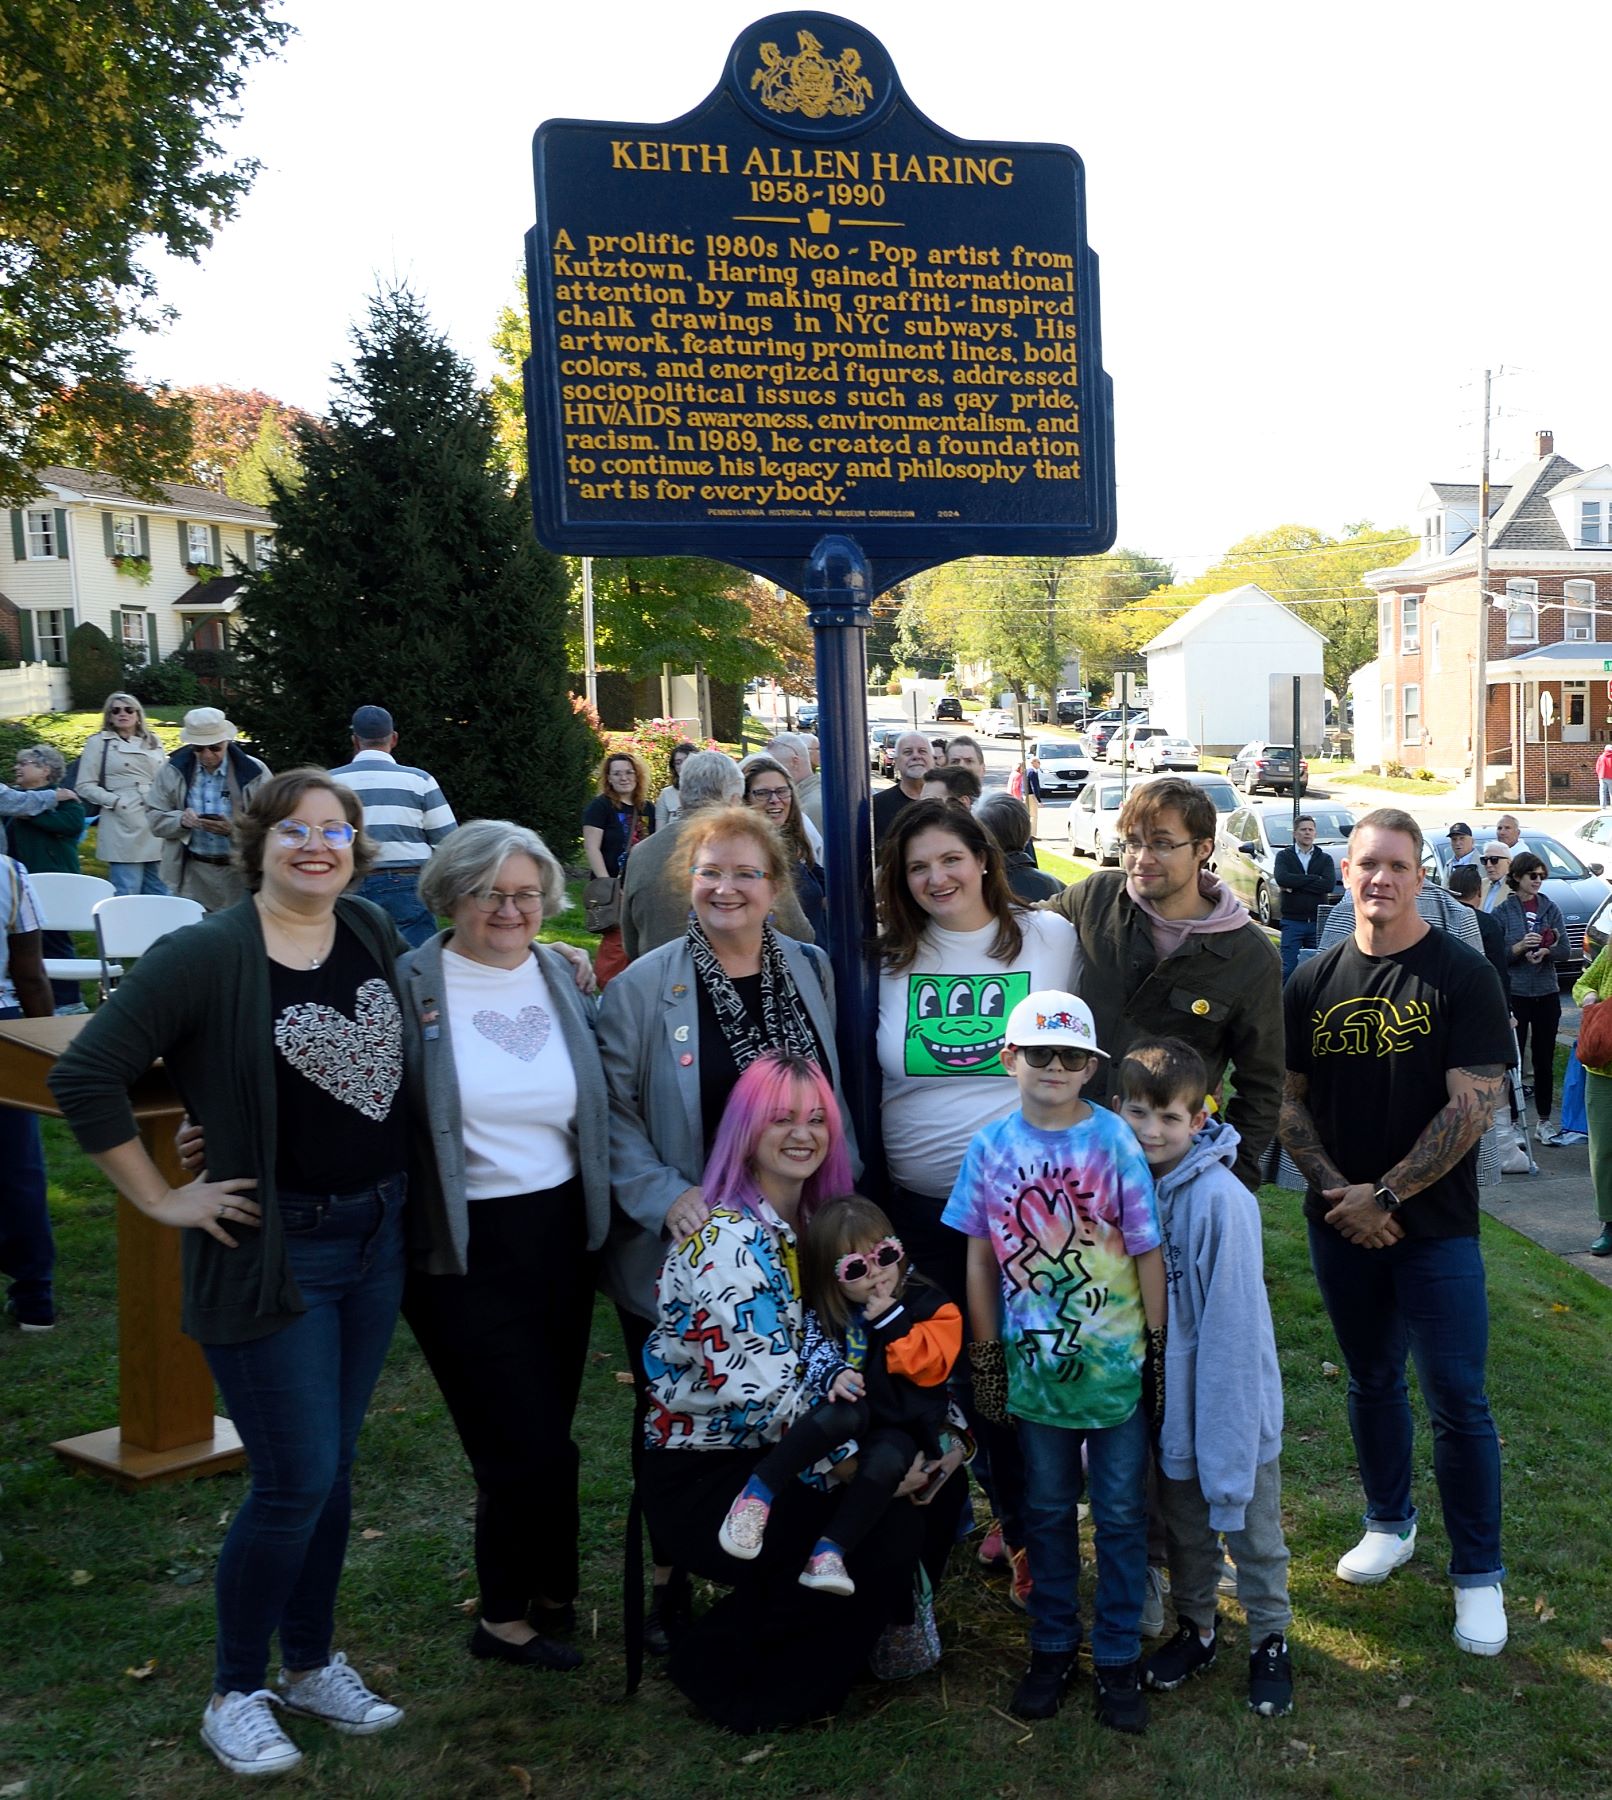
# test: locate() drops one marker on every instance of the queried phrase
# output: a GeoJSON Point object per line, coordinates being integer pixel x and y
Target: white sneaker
{"type": "Point", "coordinates": [337, 1695]}
{"type": "Point", "coordinates": [1548, 1135]}
{"type": "Point", "coordinates": [243, 1733]}
{"type": "Point", "coordinates": [1376, 1557]}
{"type": "Point", "coordinates": [1480, 1619]}
{"type": "Point", "coordinates": [1152, 1623]}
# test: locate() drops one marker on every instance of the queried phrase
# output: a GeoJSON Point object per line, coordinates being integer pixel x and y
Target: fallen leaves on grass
{"type": "Point", "coordinates": [81, 1578]}
{"type": "Point", "coordinates": [369, 1534]}
{"type": "Point", "coordinates": [144, 1672]}
{"type": "Point", "coordinates": [13, 1788]}
{"type": "Point", "coordinates": [522, 1777]}
{"type": "Point", "coordinates": [1543, 1610]}
{"type": "Point", "coordinates": [624, 1376]}
{"type": "Point", "coordinates": [1606, 1643]}
{"type": "Point", "coordinates": [756, 1756]}
{"type": "Point", "coordinates": [1557, 1307]}
{"type": "Point", "coordinates": [1331, 1371]}
{"type": "Point", "coordinates": [1405, 1700]}
{"type": "Point", "coordinates": [465, 1606]}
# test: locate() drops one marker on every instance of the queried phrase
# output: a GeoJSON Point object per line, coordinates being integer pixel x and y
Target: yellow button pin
{"type": "Point", "coordinates": [1200, 1007]}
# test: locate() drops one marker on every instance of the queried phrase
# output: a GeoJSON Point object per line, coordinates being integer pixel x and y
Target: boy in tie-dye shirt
{"type": "Point", "coordinates": [1066, 1301]}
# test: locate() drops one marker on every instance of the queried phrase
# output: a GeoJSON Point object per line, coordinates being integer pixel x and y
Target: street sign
{"type": "Point", "coordinates": [1547, 707]}
{"type": "Point", "coordinates": [803, 308]}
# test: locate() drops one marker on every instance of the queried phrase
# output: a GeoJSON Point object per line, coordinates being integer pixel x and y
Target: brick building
{"type": "Point", "coordinates": [1548, 616]}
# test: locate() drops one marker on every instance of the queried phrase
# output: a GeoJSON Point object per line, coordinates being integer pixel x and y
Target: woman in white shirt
{"type": "Point", "coordinates": [505, 1079]}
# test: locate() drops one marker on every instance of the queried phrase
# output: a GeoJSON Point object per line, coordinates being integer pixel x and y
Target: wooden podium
{"type": "Point", "coordinates": [166, 1428]}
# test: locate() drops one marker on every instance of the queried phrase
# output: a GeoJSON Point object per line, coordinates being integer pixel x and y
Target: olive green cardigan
{"type": "Point", "coordinates": [199, 1000]}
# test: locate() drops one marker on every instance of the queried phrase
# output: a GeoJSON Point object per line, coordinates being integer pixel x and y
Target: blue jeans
{"type": "Point", "coordinates": [398, 891]}
{"type": "Point", "coordinates": [135, 878]}
{"type": "Point", "coordinates": [27, 1250]}
{"type": "Point", "coordinates": [1116, 1471]}
{"type": "Point", "coordinates": [1606, 789]}
{"type": "Point", "coordinates": [1425, 1296]}
{"type": "Point", "coordinates": [1297, 935]}
{"type": "Point", "coordinates": [298, 1397]}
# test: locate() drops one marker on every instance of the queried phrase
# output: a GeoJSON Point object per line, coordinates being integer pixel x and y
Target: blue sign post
{"type": "Point", "coordinates": [804, 330]}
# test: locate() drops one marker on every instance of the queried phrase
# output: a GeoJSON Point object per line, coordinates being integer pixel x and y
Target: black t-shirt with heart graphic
{"type": "Point", "coordinates": [338, 1073]}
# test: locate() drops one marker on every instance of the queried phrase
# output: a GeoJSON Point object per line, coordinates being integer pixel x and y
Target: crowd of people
{"type": "Point", "coordinates": [1048, 1269]}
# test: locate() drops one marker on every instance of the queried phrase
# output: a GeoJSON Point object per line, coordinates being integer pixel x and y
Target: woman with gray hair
{"type": "Point", "coordinates": [511, 1200]}
{"type": "Point", "coordinates": [45, 842]}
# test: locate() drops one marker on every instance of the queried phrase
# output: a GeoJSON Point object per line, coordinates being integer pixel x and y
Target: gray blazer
{"type": "Point", "coordinates": [439, 1220]}
{"type": "Point", "coordinates": [649, 1041]}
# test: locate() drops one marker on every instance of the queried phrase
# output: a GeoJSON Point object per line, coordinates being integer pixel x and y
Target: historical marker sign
{"type": "Point", "coordinates": [803, 308]}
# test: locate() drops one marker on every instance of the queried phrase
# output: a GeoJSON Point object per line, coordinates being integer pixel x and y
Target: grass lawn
{"type": "Point", "coordinates": [1347, 775]}
{"type": "Point", "coordinates": [107, 1602]}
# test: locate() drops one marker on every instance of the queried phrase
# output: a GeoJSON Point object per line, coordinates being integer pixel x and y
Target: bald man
{"type": "Point", "coordinates": [792, 751]}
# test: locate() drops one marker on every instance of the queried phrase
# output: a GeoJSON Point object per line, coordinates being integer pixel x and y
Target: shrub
{"type": "Point", "coordinates": [1396, 771]}
{"type": "Point", "coordinates": [167, 683]}
{"type": "Point", "coordinates": [94, 668]}
{"type": "Point", "coordinates": [1424, 775]}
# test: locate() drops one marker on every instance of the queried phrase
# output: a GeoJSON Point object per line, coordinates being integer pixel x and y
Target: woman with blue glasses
{"type": "Point", "coordinates": [278, 1019]}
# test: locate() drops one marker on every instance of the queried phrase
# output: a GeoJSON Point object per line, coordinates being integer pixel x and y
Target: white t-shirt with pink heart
{"type": "Point", "coordinates": [517, 1089]}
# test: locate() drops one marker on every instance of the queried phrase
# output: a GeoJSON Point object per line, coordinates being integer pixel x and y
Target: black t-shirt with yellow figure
{"type": "Point", "coordinates": [1375, 1037]}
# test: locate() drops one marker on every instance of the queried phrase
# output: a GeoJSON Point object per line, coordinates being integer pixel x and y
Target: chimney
{"type": "Point", "coordinates": [1544, 444]}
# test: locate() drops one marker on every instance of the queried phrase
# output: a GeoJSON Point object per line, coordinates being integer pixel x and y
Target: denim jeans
{"type": "Point", "coordinates": [27, 1250]}
{"type": "Point", "coordinates": [1297, 935]}
{"type": "Point", "coordinates": [1606, 789]}
{"type": "Point", "coordinates": [1116, 1472]}
{"type": "Point", "coordinates": [136, 878]}
{"type": "Point", "coordinates": [398, 891]}
{"type": "Point", "coordinates": [1424, 1296]}
{"type": "Point", "coordinates": [298, 1397]}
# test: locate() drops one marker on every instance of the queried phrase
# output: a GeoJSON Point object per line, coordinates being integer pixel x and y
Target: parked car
{"type": "Point", "coordinates": [1217, 787]}
{"type": "Point", "coordinates": [1569, 881]}
{"type": "Point", "coordinates": [998, 722]}
{"type": "Point", "coordinates": [806, 716]}
{"type": "Point", "coordinates": [1065, 767]}
{"type": "Point", "coordinates": [1103, 727]}
{"type": "Point", "coordinates": [882, 749]}
{"type": "Point", "coordinates": [1163, 752]}
{"type": "Point", "coordinates": [948, 706]}
{"type": "Point", "coordinates": [1261, 765]}
{"type": "Point", "coordinates": [1592, 842]}
{"type": "Point", "coordinates": [1072, 711]}
{"type": "Point", "coordinates": [1094, 817]}
{"type": "Point", "coordinates": [1246, 846]}
{"type": "Point", "coordinates": [1122, 745]}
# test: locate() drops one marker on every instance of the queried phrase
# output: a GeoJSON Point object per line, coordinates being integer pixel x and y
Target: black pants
{"type": "Point", "coordinates": [507, 1342]}
{"type": "Point", "coordinates": [1539, 1015]}
{"type": "Point", "coordinates": [884, 1454]}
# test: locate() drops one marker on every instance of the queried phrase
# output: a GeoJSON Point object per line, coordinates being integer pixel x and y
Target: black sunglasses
{"type": "Point", "coordinates": [1039, 1056]}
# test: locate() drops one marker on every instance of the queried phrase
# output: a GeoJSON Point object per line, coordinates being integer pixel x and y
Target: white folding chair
{"type": "Point", "coordinates": [128, 925]}
{"type": "Point", "coordinates": [67, 903]}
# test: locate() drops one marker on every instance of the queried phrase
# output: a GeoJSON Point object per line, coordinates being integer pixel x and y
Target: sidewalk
{"type": "Point", "coordinates": [1556, 1207]}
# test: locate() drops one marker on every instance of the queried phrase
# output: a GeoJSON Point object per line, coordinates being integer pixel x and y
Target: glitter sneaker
{"type": "Point", "coordinates": [337, 1695]}
{"type": "Point", "coordinates": [243, 1733]}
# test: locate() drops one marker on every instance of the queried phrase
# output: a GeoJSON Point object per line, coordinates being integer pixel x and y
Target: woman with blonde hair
{"type": "Point", "coordinates": [115, 773]}
{"type": "Point", "coordinates": [615, 819]}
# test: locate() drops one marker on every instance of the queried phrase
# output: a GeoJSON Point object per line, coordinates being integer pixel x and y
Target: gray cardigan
{"type": "Point", "coordinates": [649, 1040]}
{"type": "Point", "coordinates": [439, 1220]}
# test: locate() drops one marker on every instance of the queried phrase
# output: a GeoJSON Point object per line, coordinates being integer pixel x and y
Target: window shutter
{"type": "Point", "coordinates": [251, 549]}
{"type": "Point", "coordinates": [68, 624]}
{"type": "Point", "coordinates": [61, 534]}
{"type": "Point", "coordinates": [106, 532]}
{"type": "Point", "coordinates": [19, 543]}
{"type": "Point", "coordinates": [218, 548]}
{"type": "Point", "coordinates": [25, 634]}
{"type": "Point", "coordinates": [145, 537]}
{"type": "Point", "coordinates": [151, 635]}
{"type": "Point", "coordinates": [115, 629]}
{"type": "Point", "coordinates": [184, 543]}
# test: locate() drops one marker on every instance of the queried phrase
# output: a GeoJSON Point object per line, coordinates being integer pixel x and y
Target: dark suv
{"type": "Point", "coordinates": [1260, 765]}
{"type": "Point", "coordinates": [948, 706]}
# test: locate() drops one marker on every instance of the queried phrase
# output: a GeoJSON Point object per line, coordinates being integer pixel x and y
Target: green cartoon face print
{"type": "Point", "coordinates": [955, 1022]}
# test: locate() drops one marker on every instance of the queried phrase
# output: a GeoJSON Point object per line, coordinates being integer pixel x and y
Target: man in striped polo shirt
{"type": "Point", "coordinates": [406, 814]}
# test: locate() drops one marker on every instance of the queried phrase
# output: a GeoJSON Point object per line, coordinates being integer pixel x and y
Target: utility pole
{"type": "Point", "coordinates": [589, 661]}
{"type": "Point", "coordinates": [1480, 709]}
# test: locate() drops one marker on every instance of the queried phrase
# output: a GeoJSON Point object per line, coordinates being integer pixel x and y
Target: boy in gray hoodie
{"type": "Point", "coordinates": [1221, 1442]}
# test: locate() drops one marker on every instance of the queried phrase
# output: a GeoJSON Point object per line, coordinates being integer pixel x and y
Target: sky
{"type": "Point", "coordinates": [1316, 226]}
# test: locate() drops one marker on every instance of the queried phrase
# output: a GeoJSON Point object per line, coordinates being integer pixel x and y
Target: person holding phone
{"type": "Point", "coordinates": [1536, 946]}
{"type": "Point", "coordinates": [192, 806]}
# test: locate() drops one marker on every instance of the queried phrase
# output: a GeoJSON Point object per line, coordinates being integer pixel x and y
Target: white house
{"type": "Point", "coordinates": [151, 575]}
{"type": "Point", "coordinates": [1209, 673]}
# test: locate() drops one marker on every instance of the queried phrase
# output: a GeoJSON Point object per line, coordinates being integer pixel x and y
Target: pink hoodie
{"type": "Point", "coordinates": [1227, 913]}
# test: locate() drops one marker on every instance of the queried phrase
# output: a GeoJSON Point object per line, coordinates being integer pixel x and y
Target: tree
{"type": "Point", "coordinates": [110, 114]}
{"type": "Point", "coordinates": [782, 637]}
{"type": "Point", "coordinates": [227, 425]}
{"type": "Point", "coordinates": [271, 458]}
{"type": "Point", "coordinates": [405, 573]}
{"type": "Point", "coordinates": [94, 668]}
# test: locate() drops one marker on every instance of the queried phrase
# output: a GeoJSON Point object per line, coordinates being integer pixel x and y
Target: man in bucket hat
{"type": "Point", "coordinates": [193, 804]}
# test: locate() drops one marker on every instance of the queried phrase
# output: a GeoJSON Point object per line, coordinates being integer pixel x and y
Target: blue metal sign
{"type": "Point", "coordinates": [803, 309]}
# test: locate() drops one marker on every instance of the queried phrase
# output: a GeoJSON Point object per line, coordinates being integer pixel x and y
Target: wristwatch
{"type": "Point", "coordinates": [1388, 1200]}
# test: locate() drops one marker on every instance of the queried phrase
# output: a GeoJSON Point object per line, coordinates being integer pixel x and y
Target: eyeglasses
{"type": "Point", "coordinates": [713, 876]}
{"type": "Point", "coordinates": [1132, 848]}
{"type": "Point", "coordinates": [1039, 1056]}
{"type": "Point", "coordinates": [860, 1264]}
{"type": "Point", "coordinates": [528, 901]}
{"type": "Point", "coordinates": [294, 834]}
{"type": "Point", "coordinates": [767, 794]}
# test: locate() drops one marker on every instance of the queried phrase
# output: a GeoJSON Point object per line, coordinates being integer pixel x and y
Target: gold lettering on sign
{"type": "Point", "coordinates": [809, 82]}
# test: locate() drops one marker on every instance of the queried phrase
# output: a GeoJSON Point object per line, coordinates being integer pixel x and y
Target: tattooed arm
{"type": "Point", "coordinates": [1302, 1139]}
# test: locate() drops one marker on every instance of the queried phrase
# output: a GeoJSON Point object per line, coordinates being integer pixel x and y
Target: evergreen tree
{"type": "Point", "coordinates": [406, 575]}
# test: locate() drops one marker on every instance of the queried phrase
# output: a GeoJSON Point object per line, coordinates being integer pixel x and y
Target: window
{"type": "Point", "coordinates": [1578, 617]}
{"type": "Point", "coordinates": [1575, 713]}
{"type": "Point", "coordinates": [134, 634]}
{"type": "Point", "coordinates": [1594, 522]}
{"type": "Point", "coordinates": [125, 534]}
{"type": "Point", "coordinates": [1388, 714]}
{"type": "Point", "coordinates": [1385, 625]}
{"type": "Point", "coordinates": [198, 543]}
{"type": "Point", "coordinates": [40, 523]}
{"type": "Point", "coordinates": [1413, 713]}
{"type": "Point", "coordinates": [1522, 612]}
{"type": "Point", "coordinates": [1410, 623]}
{"type": "Point", "coordinates": [50, 636]}
{"type": "Point", "coordinates": [1432, 537]}
{"type": "Point", "coordinates": [262, 552]}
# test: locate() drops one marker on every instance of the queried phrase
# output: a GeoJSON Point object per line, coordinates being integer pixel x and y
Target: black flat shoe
{"type": "Point", "coordinates": [535, 1653]}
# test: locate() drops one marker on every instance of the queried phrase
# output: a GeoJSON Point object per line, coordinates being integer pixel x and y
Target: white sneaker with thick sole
{"type": "Point", "coordinates": [1548, 1135]}
{"type": "Point", "coordinates": [1152, 1622]}
{"type": "Point", "coordinates": [337, 1695]}
{"type": "Point", "coordinates": [243, 1733]}
{"type": "Point", "coordinates": [1376, 1557]}
{"type": "Point", "coordinates": [1480, 1619]}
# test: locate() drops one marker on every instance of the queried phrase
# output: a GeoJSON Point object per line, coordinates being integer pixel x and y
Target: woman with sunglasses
{"type": "Point", "coordinates": [1536, 948]}
{"type": "Point", "coordinates": [278, 1020]}
{"type": "Point", "coordinates": [504, 1076]}
{"type": "Point", "coordinates": [115, 771]}
{"type": "Point", "coordinates": [769, 790]}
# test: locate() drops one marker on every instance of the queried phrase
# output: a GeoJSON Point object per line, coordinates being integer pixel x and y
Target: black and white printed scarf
{"type": "Point", "coordinates": [785, 1023]}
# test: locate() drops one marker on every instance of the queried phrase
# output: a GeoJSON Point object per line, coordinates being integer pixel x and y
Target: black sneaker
{"type": "Point", "coordinates": [1046, 1681]}
{"type": "Point", "coordinates": [1184, 1656]}
{"type": "Point", "coordinates": [1121, 1703]}
{"type": "Point", "coordinates": [1270, 1678]}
